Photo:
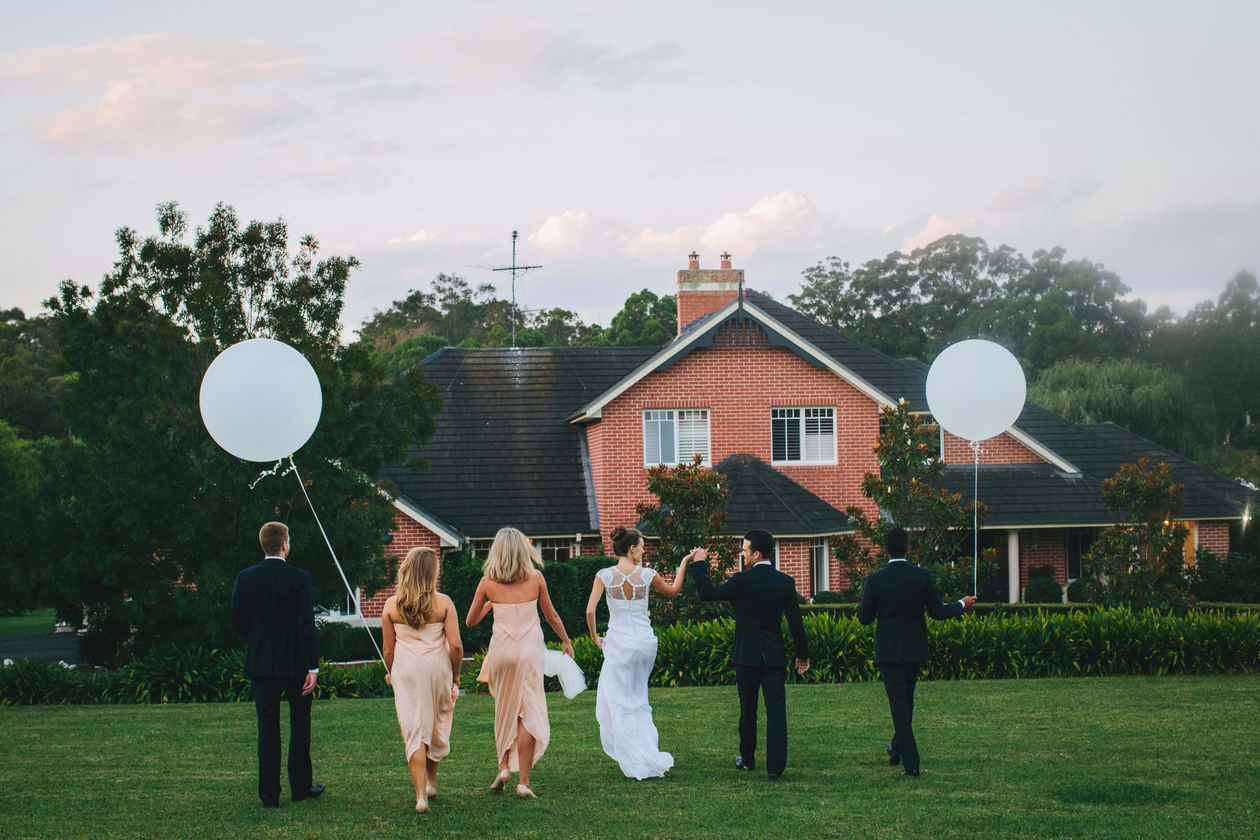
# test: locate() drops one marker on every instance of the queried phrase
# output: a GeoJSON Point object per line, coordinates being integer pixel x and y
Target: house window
{"type": "Point", "coordinates": [803, 435]}
{"type": "Point", "coordinates": [559, 549]}
{"type": "Point", "coordinates": [818, 562]}
{"type": "Point", "coordinates": [479, 549]}
{"type": "Point", "coordinates": [1078, 543]}
{"type": "Point", "coordinates": [675, 436]}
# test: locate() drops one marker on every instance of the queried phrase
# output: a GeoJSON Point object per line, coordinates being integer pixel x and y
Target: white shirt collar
{"type": "Point", "coordinates": [762, 563]}
{"type": "Point", "coordinates": [275, 557]}
{"type": "Point", "coordinates": [897, 560]}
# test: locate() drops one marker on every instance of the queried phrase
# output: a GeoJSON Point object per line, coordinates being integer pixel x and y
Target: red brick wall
{"type": "Point", "coordinates": [407, 535]}
{"type": "Point", "coordinates": [1003, 449]}
{"type": "Point", "coordinates": [1214, 536]}
{"type": "Point", "coordinates": [794, 561]}
{"type": "Point", "coordinates": [693, 305]}
{"type": "Point", "coordinates": [1042, 547]}
{"type": "Point", "coordinates": [739, 386]}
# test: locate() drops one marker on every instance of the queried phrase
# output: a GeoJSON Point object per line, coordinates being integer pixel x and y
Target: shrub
{"type": "Point", "coordinates": [346, 642]}
{"type": "Point", "coordinates": [1078, 591]}
{"type": "Point", "coordinates": [1232, 577]}
{"type": "Point", "coordinates": [829, 597]}
{"type": "Point", "coordinates": [1042, 587]}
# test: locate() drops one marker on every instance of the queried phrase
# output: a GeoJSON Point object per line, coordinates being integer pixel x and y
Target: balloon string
{"type": "Point", "coordinates": [975, 526]}
{"type": "Point", "coordinates": [354, 597]}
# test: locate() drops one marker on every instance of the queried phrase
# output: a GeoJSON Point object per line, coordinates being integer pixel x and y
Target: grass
{"type": "Point", "coordinates": [1117, 757]}
{"type": "Point", "coordinates": [40, 621]}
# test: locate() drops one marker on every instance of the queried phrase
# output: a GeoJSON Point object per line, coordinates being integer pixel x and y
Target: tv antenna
{"type": "Point", "coordinates": [515, 268]}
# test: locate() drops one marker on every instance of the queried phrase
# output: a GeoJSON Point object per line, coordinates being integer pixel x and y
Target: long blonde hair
{"type": "Point", "coordinates": [417, 586]}
{"type": "Point", "coordinates": [512, 557]}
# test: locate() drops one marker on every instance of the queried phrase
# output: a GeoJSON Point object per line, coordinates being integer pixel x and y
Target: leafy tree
{"type": "Point", "coordinates": [691, 512]}
{"type": "Point", "coordinates": [1142, 397]}
{"type": "Point", "coordinates": [411, 352]}
{"type": "Point", "coordinates": [645, 320]}
{"type": "Point", "coordinates": [157, 519]}
{"type": "Point", "coordinates": [23, 561]}
{"type": "Point", "coordinates": [31, 381]}
{"type": "Point", "coordinates": [1139, 563]}
{"type": "Point", "coordinates": [907, 493]}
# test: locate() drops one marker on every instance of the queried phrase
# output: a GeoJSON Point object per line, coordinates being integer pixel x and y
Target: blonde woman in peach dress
{"type": "Point", "coordinates": [514, 588]}
{"type": "Point", "coordinates": [423, 653]}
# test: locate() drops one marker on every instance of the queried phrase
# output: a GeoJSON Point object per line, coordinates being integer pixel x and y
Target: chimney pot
{"type": "Point", "coordinates": [726, 260]}
{"type": "Point", "coordinates": [693, 261]}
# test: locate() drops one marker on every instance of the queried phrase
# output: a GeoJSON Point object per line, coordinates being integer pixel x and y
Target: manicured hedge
{"type": "Point", "coordinates": [1048, 643]}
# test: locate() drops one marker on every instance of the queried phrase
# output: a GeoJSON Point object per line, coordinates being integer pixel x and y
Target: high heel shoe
{"type": "Point", "coordinates": [524, 792]}
{"type": "Point", "coordinates": [500, 780]}
{"type": "Point", "coordinates": [422, 806]}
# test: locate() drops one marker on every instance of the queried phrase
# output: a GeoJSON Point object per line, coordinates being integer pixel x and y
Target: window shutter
{"type": "Point", "coordinates": [693, 436]}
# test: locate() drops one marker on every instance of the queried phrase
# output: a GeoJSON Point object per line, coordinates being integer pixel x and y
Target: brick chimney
{"type": "Point", "coordinates": [705, 290]}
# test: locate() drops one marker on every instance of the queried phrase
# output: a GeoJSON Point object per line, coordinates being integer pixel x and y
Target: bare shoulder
{"type": "Point", "coordinates": [389, 610]}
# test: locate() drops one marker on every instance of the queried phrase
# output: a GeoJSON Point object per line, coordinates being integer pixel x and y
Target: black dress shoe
{"type": "Point", "coordinates": [774, 777]}
{"type": "Point", "coordinates": [740, 764]}
{"type": "Point", "coordinates": [267, 804]}
{"type": "Point", "coordinates": [310, 793]}
{"type": "Point", "coordinates": [894, 757]}
{"type": "Point", "coordinates": [912, 773]}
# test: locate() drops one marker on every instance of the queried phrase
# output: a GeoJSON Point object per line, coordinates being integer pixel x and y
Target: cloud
{"type": "Point", "coordinates": [935, 228]}
{"type": "Point", "coordinates": [1044, 193]}
{"type": "Point", "coordinates": [564, 59]}
{"type": "Point", "coordinates": [565, 230]}
{"type": "Point", "coordinates": [420, 237]}
{"type": "Point", "coordinates": [783, 220]}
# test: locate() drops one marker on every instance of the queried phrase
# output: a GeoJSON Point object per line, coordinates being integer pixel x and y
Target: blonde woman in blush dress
{"type": "Point", "coordinates": [423, 653]}
{"type": "Point", "coordinates": [626, 730]}
{"type": "Point", "coordinates": [514, 588]}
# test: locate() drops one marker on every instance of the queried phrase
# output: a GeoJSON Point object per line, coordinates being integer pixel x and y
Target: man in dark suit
{"type": "Point", "coordinates": [273, 609]}
{"type": "Point", "coordinates": [898, 595]}
{"type": "Point", "coordinates": [761, 596]}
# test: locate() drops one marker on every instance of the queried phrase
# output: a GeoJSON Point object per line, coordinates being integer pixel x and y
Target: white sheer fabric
{"type": "Point", "coordinates": [626, 731]}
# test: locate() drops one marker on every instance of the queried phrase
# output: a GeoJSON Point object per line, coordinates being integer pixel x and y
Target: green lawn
{"type": "Point", "coordinates": [40, 621]}
{"type": "Point", "coordinates": [1121, 757]}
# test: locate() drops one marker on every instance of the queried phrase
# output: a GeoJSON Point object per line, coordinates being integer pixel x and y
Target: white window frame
{"type": "Point", "coordinates": [803, 462]}
{"type": "Point", "coordinates": [554, 544]}
{"type": "Point", "coordinates": [708, 437]}
{"type": "Point", "coordinates": [479, 548]}
{"type": "Point", "coordinates": [825, 584]}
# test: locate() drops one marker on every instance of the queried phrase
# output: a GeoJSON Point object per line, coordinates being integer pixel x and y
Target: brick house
{"type": "Point", "coordinates": [557, 442]}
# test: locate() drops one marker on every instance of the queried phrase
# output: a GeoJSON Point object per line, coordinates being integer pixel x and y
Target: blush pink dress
{"type": "Point", "coordinates": [513, 668]}
{"type": "Point", "coordinates": [422, 689]}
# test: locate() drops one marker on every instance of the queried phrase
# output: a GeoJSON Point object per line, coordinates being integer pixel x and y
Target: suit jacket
{"type": "Point", "coordinates": [899, 595]}
{"type": "Point", "coordinates": [761, 596]}
{"type": "Point", "coordinates": [272, 607]}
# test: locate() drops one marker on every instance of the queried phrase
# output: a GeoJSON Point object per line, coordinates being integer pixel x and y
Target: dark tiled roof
{"type": "Point", "coordinates": [503, 452]}
{"type": "Point", "coordinates": [759, 496]}
{"type": "Point", "coordinates": [1032, 494]}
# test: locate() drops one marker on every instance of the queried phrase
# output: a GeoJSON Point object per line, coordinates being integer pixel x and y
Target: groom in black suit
{"type": "Point", "coordinates": [761, 596]}
{"type": "Point", "coordinates": [898, 595]}
{"type": "Point", "coordinates": [273, 609]}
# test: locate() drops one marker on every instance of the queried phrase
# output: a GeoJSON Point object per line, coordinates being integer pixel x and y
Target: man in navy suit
{"type": "Point", "coordinates": [899, 595]}
{"type": "Point", "coordinates": [273, 609]}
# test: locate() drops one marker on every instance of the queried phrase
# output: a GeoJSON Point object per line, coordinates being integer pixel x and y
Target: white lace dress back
{"type": "Point", "coordinates": [626, 730]}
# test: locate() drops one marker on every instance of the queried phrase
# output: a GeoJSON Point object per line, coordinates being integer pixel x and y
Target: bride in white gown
{"type": "Point", "coordinates": [621, 705]}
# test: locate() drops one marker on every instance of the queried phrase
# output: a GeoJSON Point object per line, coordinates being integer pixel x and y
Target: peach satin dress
{"type": "Point", "coordinates": [513, 668]}
{"type": "Point", "coordinates": [422, 688]}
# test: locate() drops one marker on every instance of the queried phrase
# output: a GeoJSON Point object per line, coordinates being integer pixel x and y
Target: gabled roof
{"type": "Point", "coordinates": [759, 496]}
{"type": "Point", "coordinates": [503, 453]}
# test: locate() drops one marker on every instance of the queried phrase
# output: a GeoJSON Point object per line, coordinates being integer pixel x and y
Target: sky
{"type": "Point", "coordinates": [617, 137]}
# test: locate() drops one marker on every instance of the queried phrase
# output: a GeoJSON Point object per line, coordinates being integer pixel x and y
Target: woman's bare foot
{"type": "Point", "coordinates": [524, 792]}
{"type": "Point", "coordinates": [500, 780]}
{"type": "Point", "coordinates": [422, 806]}
{"type": "Point", "coordinates": [431, 791]}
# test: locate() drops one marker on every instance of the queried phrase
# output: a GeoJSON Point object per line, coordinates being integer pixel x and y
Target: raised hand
{"type": "Point", "coordinates": [969, 601]}
{"type": "Point", "coordinates": [802, 665]}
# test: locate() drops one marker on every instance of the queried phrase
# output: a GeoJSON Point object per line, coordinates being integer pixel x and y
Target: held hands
{"type": "Point", "coordinates": [969, 601]}
{"type": "Point", "coordinates": [802, 665]}
{"type": "Point", "coordinates": [696, 555]}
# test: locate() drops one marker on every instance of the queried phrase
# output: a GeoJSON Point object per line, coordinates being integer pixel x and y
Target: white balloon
{"type": "Point", "coordinates": [976, 389]}
{"type": "Point", "coordinates": [260, 400]}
